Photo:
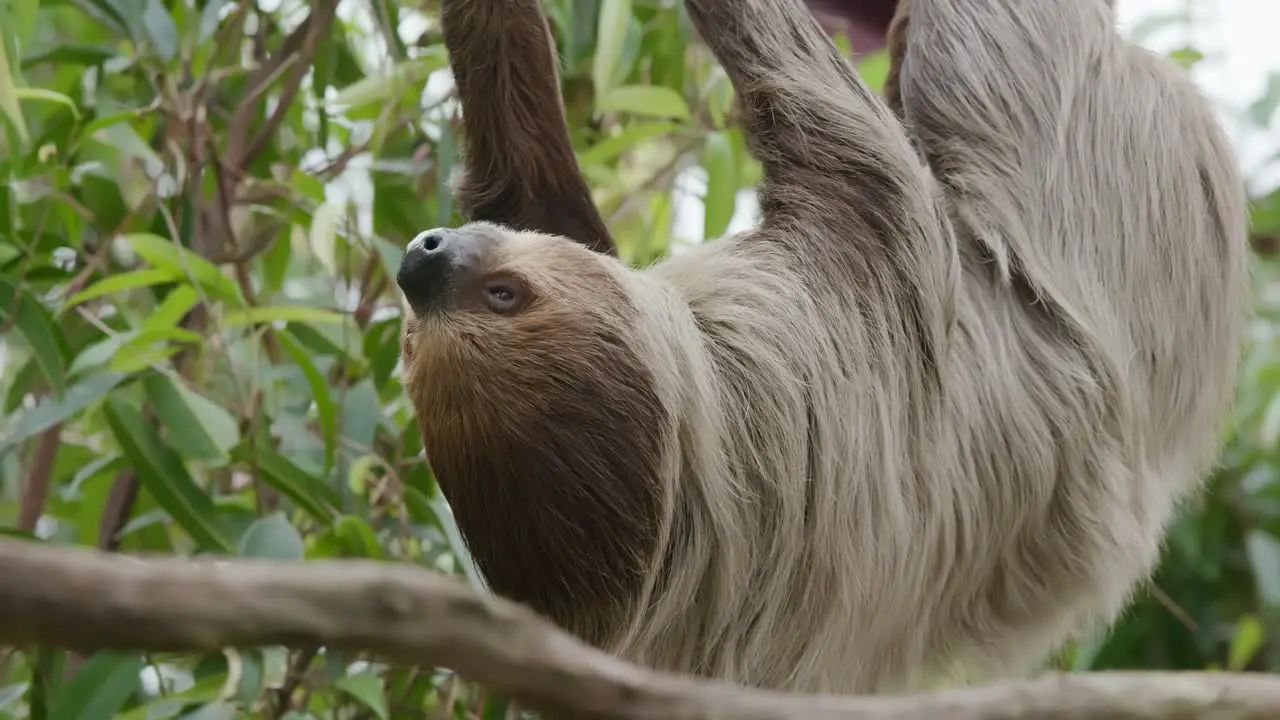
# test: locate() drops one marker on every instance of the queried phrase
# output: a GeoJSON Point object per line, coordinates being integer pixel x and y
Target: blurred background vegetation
{"type": "Point", "coordinates": [202, 204]}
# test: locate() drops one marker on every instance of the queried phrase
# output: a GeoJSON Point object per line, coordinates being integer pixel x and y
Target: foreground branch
{"type": "Point", "coordinates": [87, 600]}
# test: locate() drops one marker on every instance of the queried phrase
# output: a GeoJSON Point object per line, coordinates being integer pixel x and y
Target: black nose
{"type": "Point", "coordinates": [429, 269]}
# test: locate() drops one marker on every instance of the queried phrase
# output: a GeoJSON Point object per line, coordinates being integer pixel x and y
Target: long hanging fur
{"type": "Point", "coordinates": [935, 412]}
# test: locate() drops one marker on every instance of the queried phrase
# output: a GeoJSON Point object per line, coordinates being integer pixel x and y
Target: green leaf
{"type": "Point", "coordinates": [390, 254]}
{"type": "Point", "coordinates": [609, 148]}
{"type": "Point", "coordinates": [361, 414]}
{"type": "Point", "coordinates": [280, 313]}
{"type": "Point", "coordinates": [310, 493]}
{"type": "Point", "coordinates": [161, 29]}
{"type": "Point", "coordinates": [323, 236]}
{"type": "Point", "coordinates": [250, 679]}
{"type": "Point", "coordinates": [359, 471]}
{"type": "Point", "coordinates": [221, 709]}
{"type": "Point", "coordinates": [198, 428]}
{"type": "Point", "coordinates": [11, 698]}
{"type": "Point", "coordinates": [446, 522]}
{"type": "Point", "coordinates": [1264, 555]}
{"type": "Point", "coordinates": [209, 19]}
{"type": "Point", "coordinates": [611, 33]}
{"type": "Point", "coordinates": [49, 96]}
{"type": "Point", "coordinates": [9, 95]}
{"type": "Point", "coordinates": [19, 307]}
{"type": "Point", "coordinates": [276, 259]}
{"type": "Point", "coordinates": [874, 69]}
{"type": "Point", "coordinates": [326, 339]}
{"type": "Point", "coordinates": [272, 537]}
{"type": "Point", "coordinates": [133, 279]}
{"type": "Point", "coordinates": [382, 350]}
{"type": "Point", "coordinates": [495, 706]}
{"type": "Point", "coordinates": [719, 97]}
{"type": "Point", "coordinates": [390, 86]}
{"type": "Point", "coordinates": [106, 122]}
{"type": "Point", "coordinates": [176, 305]}
{"type": "Point", "coordinates": [165, 254]}
{"type": "Point", "coordinates": [1264, 216]}
{"type": "Point", "coordinates": [722, 184]}
{"type": "Point", "coordinates": [649, 100]}
{"type": "Point", "coordinates": [130, 349]}
{"type": "Point", "coordinates": [1086, 650]}
{"type": "Point", "coordinates": [357, 538]}
{"type": "Point", "coordinates": [368, 689]}
{"type": "Point", "coordinates": [100, 688]}
{"type": "Point", "coordinates": [842, 43]}
{"type": "Point", "coordinates": [70, 54]}
{"type": "Point", "coordinates": [164, 476]}
{"type": "Point", "coordinates": [205, 690]}
{"type": "Point", "coordinates": [1187, 57]}
{"type": "Point", "coordinates": [446, 157]}
{"type": "Point", "coordinates": [275, 664]}
{"type": "Point", "coordinates": [1264, 109]}
{"type": "Point", "coordinates": [326, 410]}
{"type": "Point", "coordinates": [18, 19]}
{"type": "Point", "coordinates": [1246, 641]}
{"type": "Point", "coordinates": [111, 13]}
{"type": "Point", "coordinates": [52, 410]}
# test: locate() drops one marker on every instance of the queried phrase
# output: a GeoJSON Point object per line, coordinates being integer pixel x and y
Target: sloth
{"type": "Point", "coordinates": [927, 421]}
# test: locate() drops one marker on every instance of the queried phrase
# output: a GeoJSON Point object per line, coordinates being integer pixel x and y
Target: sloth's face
{"type": "Point", "coordinates": [538, 417]}
{"type": "Point", "coordinates": [482, 272]}
{"type": "Point", "coordinates": [483, 298]}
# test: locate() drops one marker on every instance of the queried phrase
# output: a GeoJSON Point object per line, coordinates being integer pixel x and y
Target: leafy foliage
{"type": "Point", "coordinates": [202, 206]}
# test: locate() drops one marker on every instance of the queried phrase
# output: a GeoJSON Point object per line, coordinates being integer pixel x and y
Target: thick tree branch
{"type": "Point", "coordinates": [89, 600]}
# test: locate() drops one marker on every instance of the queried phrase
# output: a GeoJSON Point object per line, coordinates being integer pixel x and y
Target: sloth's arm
{"type": "Point", "coordinates": [834, 156]}
{"type": "Point", "coordinates": [520, 166]}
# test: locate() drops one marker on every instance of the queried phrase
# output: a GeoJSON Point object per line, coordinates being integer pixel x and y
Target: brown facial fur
{"type": "Point", "coordinates": [548, 460]}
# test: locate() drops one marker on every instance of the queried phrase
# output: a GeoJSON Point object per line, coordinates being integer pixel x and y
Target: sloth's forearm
{"type": "Point", "coordinates": [843, 188]}
{"type": "Point", "coordinates": [814, 123]}
{"type": "Point", "coordinates": [520, 166]}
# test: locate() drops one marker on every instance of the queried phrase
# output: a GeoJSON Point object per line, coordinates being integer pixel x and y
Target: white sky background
{"type": "Point", "coordinates": [1241, 43]}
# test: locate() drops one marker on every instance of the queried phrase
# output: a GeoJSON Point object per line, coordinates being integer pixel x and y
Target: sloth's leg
{"type": "Point", "coordinates": [1101, 182]}
{"type": "Point", "coordinates": [1103, 190]}
{"type": "Point", "coordinates": [520, 166]}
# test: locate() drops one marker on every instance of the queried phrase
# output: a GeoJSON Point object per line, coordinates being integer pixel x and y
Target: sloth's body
{"type": "Point", "coordinates": [936, 410]}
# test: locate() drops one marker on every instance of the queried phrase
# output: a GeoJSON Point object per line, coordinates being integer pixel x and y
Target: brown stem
{"type": "Point", "coordinates": [297, 670]}
{"type": "Point", "coordinates": [119, 506]}
{"type": "Point", "coordinates": [296, 53]}
{"type": "Point", "coordinates": [35, 490]}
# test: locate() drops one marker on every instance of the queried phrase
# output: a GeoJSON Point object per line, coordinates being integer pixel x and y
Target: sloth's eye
{"type": "Point", "coordinates": [502, 296]}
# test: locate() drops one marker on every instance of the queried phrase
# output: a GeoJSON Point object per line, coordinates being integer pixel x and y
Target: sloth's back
{"type": "Point", "coordinates": [1020, 475]}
